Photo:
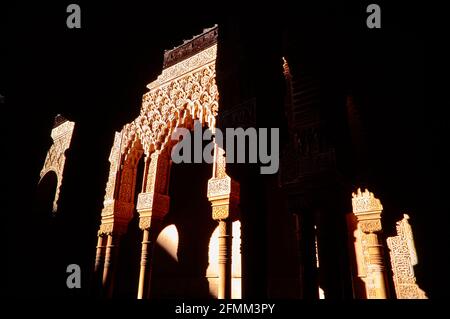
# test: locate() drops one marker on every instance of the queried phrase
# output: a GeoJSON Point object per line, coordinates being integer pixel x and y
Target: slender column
{"type": "Point", "coordinates": [148, 245]}
{"type": "Point", "coordinates": [223, 193]}
{"type": "Point", "coordinates": [143, 289]}
{"type": "Point", "coordinates": [108, 270]}
{"type": "Point", "coordinates": [376, 266]}
{"type": "Point", "coordinates": [99, 264]}
{"type": "Point", "coordinates": [100, 255]}
{"type": "Point", "coordinates": [225, 238]}
{"type": "Point", "coordinates": [153, 204]}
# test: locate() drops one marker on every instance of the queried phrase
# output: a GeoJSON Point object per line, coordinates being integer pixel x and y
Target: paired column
{"type": "Point", "coordinates": [99, 264]}
{"type": "Point", "coordinates": [106, 256]}
{"type": "Point", "coordinates": [110, 263]}
{"type": "Point", "coordinates": [100, 255]}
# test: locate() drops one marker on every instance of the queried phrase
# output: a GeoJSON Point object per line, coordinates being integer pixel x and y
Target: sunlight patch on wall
{"type": "Point", "coordinates": [168, 240]}
{"type": "Point", "coordinates": [213, 259]}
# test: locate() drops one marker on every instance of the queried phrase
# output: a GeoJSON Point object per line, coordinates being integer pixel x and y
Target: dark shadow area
{"type": "Point", "coordinates": [129, 256]}
{"type": "Point", "coordinates": [45, 194]}
{"type": "Point", "coordinates": [96, 76]}
{"type": "Point", "coordinates": [190, 212]}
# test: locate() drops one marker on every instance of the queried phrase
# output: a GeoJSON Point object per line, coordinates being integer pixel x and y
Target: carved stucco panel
{"type": "Point", "coordinates": [403, 258]}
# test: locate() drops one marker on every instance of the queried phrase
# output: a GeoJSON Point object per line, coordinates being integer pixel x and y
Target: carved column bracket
{"type": "Point", "coordinates": [151, 206]}
{"type": "Point", "coordinates": [223, 193]}
{"type": "Point", "coordinates": [115, 217]}
{"type": "Point", "coordinates": [109, 227]}
{"type": "Point", "coordinates": [117, 208]}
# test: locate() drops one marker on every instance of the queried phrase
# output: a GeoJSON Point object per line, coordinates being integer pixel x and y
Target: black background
{"type": "Point", "coordinates": [96, 76]}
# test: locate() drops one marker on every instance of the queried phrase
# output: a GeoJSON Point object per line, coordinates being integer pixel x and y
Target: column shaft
{"type": "Point", "coordinates": [376, 266]}
{"type": "Point", "coordinates": [99, 264]}
{"type": "Point", "coordinates": [108, 270]}
{"type": "Point", "coordinates": [224, 259]}
{"type": "Point", "coordinates": [145, 272]}
{"type": "Point", "coordinates": [100, 255]}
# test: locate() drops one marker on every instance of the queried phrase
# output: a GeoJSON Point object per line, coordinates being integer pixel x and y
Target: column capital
{"type": "Point", "coordinates": [153, 204]}
{"type": "Point", "coordinates": [370, 225]}
{"type": "Point", "coordinates": [117, 208]}
{"type": "Point", "coordinates": [148, 222]}
{"type": "Point", "coordinates": [223, 193]}
{"type": "Point", "coordinates": [222, 187]}
{"type": "Point", "coordinates": [367, 209]}
{"type": "Point", "coordinates": [112, 227]}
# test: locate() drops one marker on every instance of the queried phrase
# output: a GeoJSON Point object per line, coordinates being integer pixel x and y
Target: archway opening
{"type": "Point", "coordinates": [128, 263]}
{"type": "Point", "coordinates": [212, 272]}
{"type": "Point", "coordinates": [190, 228]}
{"type": "Point", "coordinates": [48, 257]}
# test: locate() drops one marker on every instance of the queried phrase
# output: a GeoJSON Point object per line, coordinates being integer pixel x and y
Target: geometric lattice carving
{"type": "Point", "coordinates": [56, 158]}
{"type": "Point", "coordinates": [403, 258]}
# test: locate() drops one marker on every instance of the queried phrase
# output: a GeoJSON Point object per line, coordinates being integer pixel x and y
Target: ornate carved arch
{"type": "Point", "coordinates": [56, 156]}
{"type": "Point", "coordinates": [184, 92]}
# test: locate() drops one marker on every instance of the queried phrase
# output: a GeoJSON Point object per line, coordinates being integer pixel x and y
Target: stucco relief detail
{"type": "Point", "coordinates": [403, 259]}
{"type": "Point", "coordinates": [56, 157]}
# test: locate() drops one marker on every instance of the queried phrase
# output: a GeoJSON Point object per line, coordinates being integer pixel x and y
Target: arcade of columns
{"type": "Point", "coordinates": [186, 91]}
{"type": "Point", "coordinates": [183, 93]}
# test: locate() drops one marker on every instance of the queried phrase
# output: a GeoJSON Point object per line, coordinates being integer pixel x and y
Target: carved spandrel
{"type": "Point", "coordinates": [56, 158]}
{"type": "Point", "coordinates": [191, 96]}
{"type": "Point", "coordinates": [158, 173]}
